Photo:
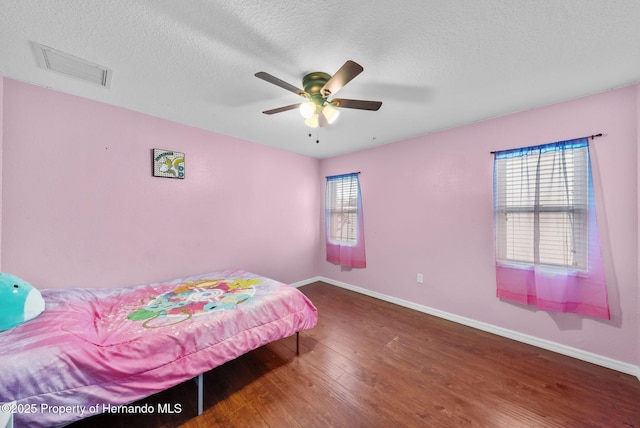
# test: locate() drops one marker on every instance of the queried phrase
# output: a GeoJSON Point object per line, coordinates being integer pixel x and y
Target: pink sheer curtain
{"type": "Point", "coordinates": [555, 288]}
{"type": "Point", "coordinates": [344, 221]}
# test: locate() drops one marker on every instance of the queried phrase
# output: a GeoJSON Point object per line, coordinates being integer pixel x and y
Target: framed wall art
{"type": "Point", "coordinates": [167, 163]}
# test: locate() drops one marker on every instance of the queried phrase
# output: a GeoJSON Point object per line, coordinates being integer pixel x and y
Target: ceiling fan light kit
{"type": "Point", "coordinates": [318, 110]}
{"type": "Point", "coordinates": [330, 113]}
{"type": "Point", "coordinates": [313, 121]}
{"type": "Point", "coordinates": [308, 109]}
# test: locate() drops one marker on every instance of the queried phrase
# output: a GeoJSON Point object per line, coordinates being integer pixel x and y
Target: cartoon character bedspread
{"type": "Point", "coordinates": [95, 348]}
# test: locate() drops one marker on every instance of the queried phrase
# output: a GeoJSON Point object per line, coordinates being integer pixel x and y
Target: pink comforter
{"type": "Point", "coordinates": [93, 348]}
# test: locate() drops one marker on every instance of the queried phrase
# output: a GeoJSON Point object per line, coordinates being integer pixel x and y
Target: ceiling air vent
{"type": "Point", "coordinates": [52, 59]}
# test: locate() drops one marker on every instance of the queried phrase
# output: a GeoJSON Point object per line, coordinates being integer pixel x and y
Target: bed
{"type": "Point", "coordinates": [92, 350]}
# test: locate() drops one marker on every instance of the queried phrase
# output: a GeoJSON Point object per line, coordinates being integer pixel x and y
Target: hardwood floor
{"type": "Point", "coordinates": [369, 363]}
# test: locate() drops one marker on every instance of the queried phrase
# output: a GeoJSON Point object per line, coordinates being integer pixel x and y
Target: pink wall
{"type": "Point", "coordinates": [81, 209]}
{"type": "Point", "coordinates": [428, 208]}
{"type": "Point", "coordinates": [1, 157]}
{"type": "Point", "coordinates": [638, 212]}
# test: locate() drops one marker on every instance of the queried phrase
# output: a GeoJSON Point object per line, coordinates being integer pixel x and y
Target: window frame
{"type": "Point", "coordinates": [574, 214]}
{"type": "Point", "coordinates": [341, 203]}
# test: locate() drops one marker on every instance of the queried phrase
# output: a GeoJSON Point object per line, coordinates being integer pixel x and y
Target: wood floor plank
{"type": "Point", "coordinates": [369, 363]}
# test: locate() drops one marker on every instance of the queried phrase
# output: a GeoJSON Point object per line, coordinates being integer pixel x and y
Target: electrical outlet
{"type": "Point", "coordinates": [420, 278]}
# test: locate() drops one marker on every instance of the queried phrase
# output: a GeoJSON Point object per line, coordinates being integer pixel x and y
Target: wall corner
{"type": "Point", "coordinates": [637, 118]}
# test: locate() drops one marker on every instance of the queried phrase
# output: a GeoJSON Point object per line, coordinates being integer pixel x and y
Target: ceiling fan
{"type": "Point", "coordinates": [318, 110]}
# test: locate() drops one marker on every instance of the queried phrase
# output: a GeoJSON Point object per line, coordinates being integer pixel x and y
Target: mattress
{"type": "Point", "coordinates": [92, 349]}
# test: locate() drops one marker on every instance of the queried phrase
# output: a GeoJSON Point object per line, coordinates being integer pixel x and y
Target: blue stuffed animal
{"type": "Point", "coordinates": [19, 301]}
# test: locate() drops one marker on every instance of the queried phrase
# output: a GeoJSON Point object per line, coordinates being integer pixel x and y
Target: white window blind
{"type": "Point", "coordinates": [541, 203]}
{"type": "Point", "coordinates": [342, 209]}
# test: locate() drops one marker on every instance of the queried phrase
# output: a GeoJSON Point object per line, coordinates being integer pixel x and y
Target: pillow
{"type": "Point", "coordinates": [19, 301]}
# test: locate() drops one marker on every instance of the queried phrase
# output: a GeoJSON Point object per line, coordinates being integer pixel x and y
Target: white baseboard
{"type": "Point", "coordinates": [310, 281]}
{"type": "Point", "coordinates": [590, 357]}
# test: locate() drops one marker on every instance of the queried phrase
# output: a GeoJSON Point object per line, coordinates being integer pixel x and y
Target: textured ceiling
{"type": "Point", "coordinates": [434, 64]}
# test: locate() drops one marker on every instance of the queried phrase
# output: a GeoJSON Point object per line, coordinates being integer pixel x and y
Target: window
{"type": "Point", "coordinates": [344, 224]}
{"type": "Point", "coordinates": [547, 239]}
{"type": "Point", "coordinates": [542, 204]}
{"type": "Point", "coordinates": [342, 209]}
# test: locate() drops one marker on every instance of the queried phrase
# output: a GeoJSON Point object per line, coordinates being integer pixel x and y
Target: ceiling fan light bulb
{"type": "Point", "coordinates": [312, 121]}
{"type": "Point", "coordinates": [307, 109]}
{"type": "Point", "coordinates": [330, 113]}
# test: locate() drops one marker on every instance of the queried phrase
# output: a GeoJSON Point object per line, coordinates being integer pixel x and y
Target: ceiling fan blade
{"type": "Point", "coordinates": [272, 79]}
{"type": "Point", "coordinates": [343, 76]}
{"type": "Point", "coordinates": [357, 104]}
{"type": "Point", "coordinates": [281, 109]}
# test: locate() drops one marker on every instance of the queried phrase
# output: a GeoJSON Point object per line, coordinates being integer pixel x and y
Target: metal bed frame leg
{"type": "Point", "coordinates": [6, 418]}
{"type": "Point", "coordinates": [200, 382]}
{"type": "Point", "coordinates": [200, 379]}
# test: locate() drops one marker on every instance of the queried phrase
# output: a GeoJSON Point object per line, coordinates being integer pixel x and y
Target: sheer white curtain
{"type": "Point", "coordinates": [547, 240]}
{"type": "Point", "coordinates": [344, 221]}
